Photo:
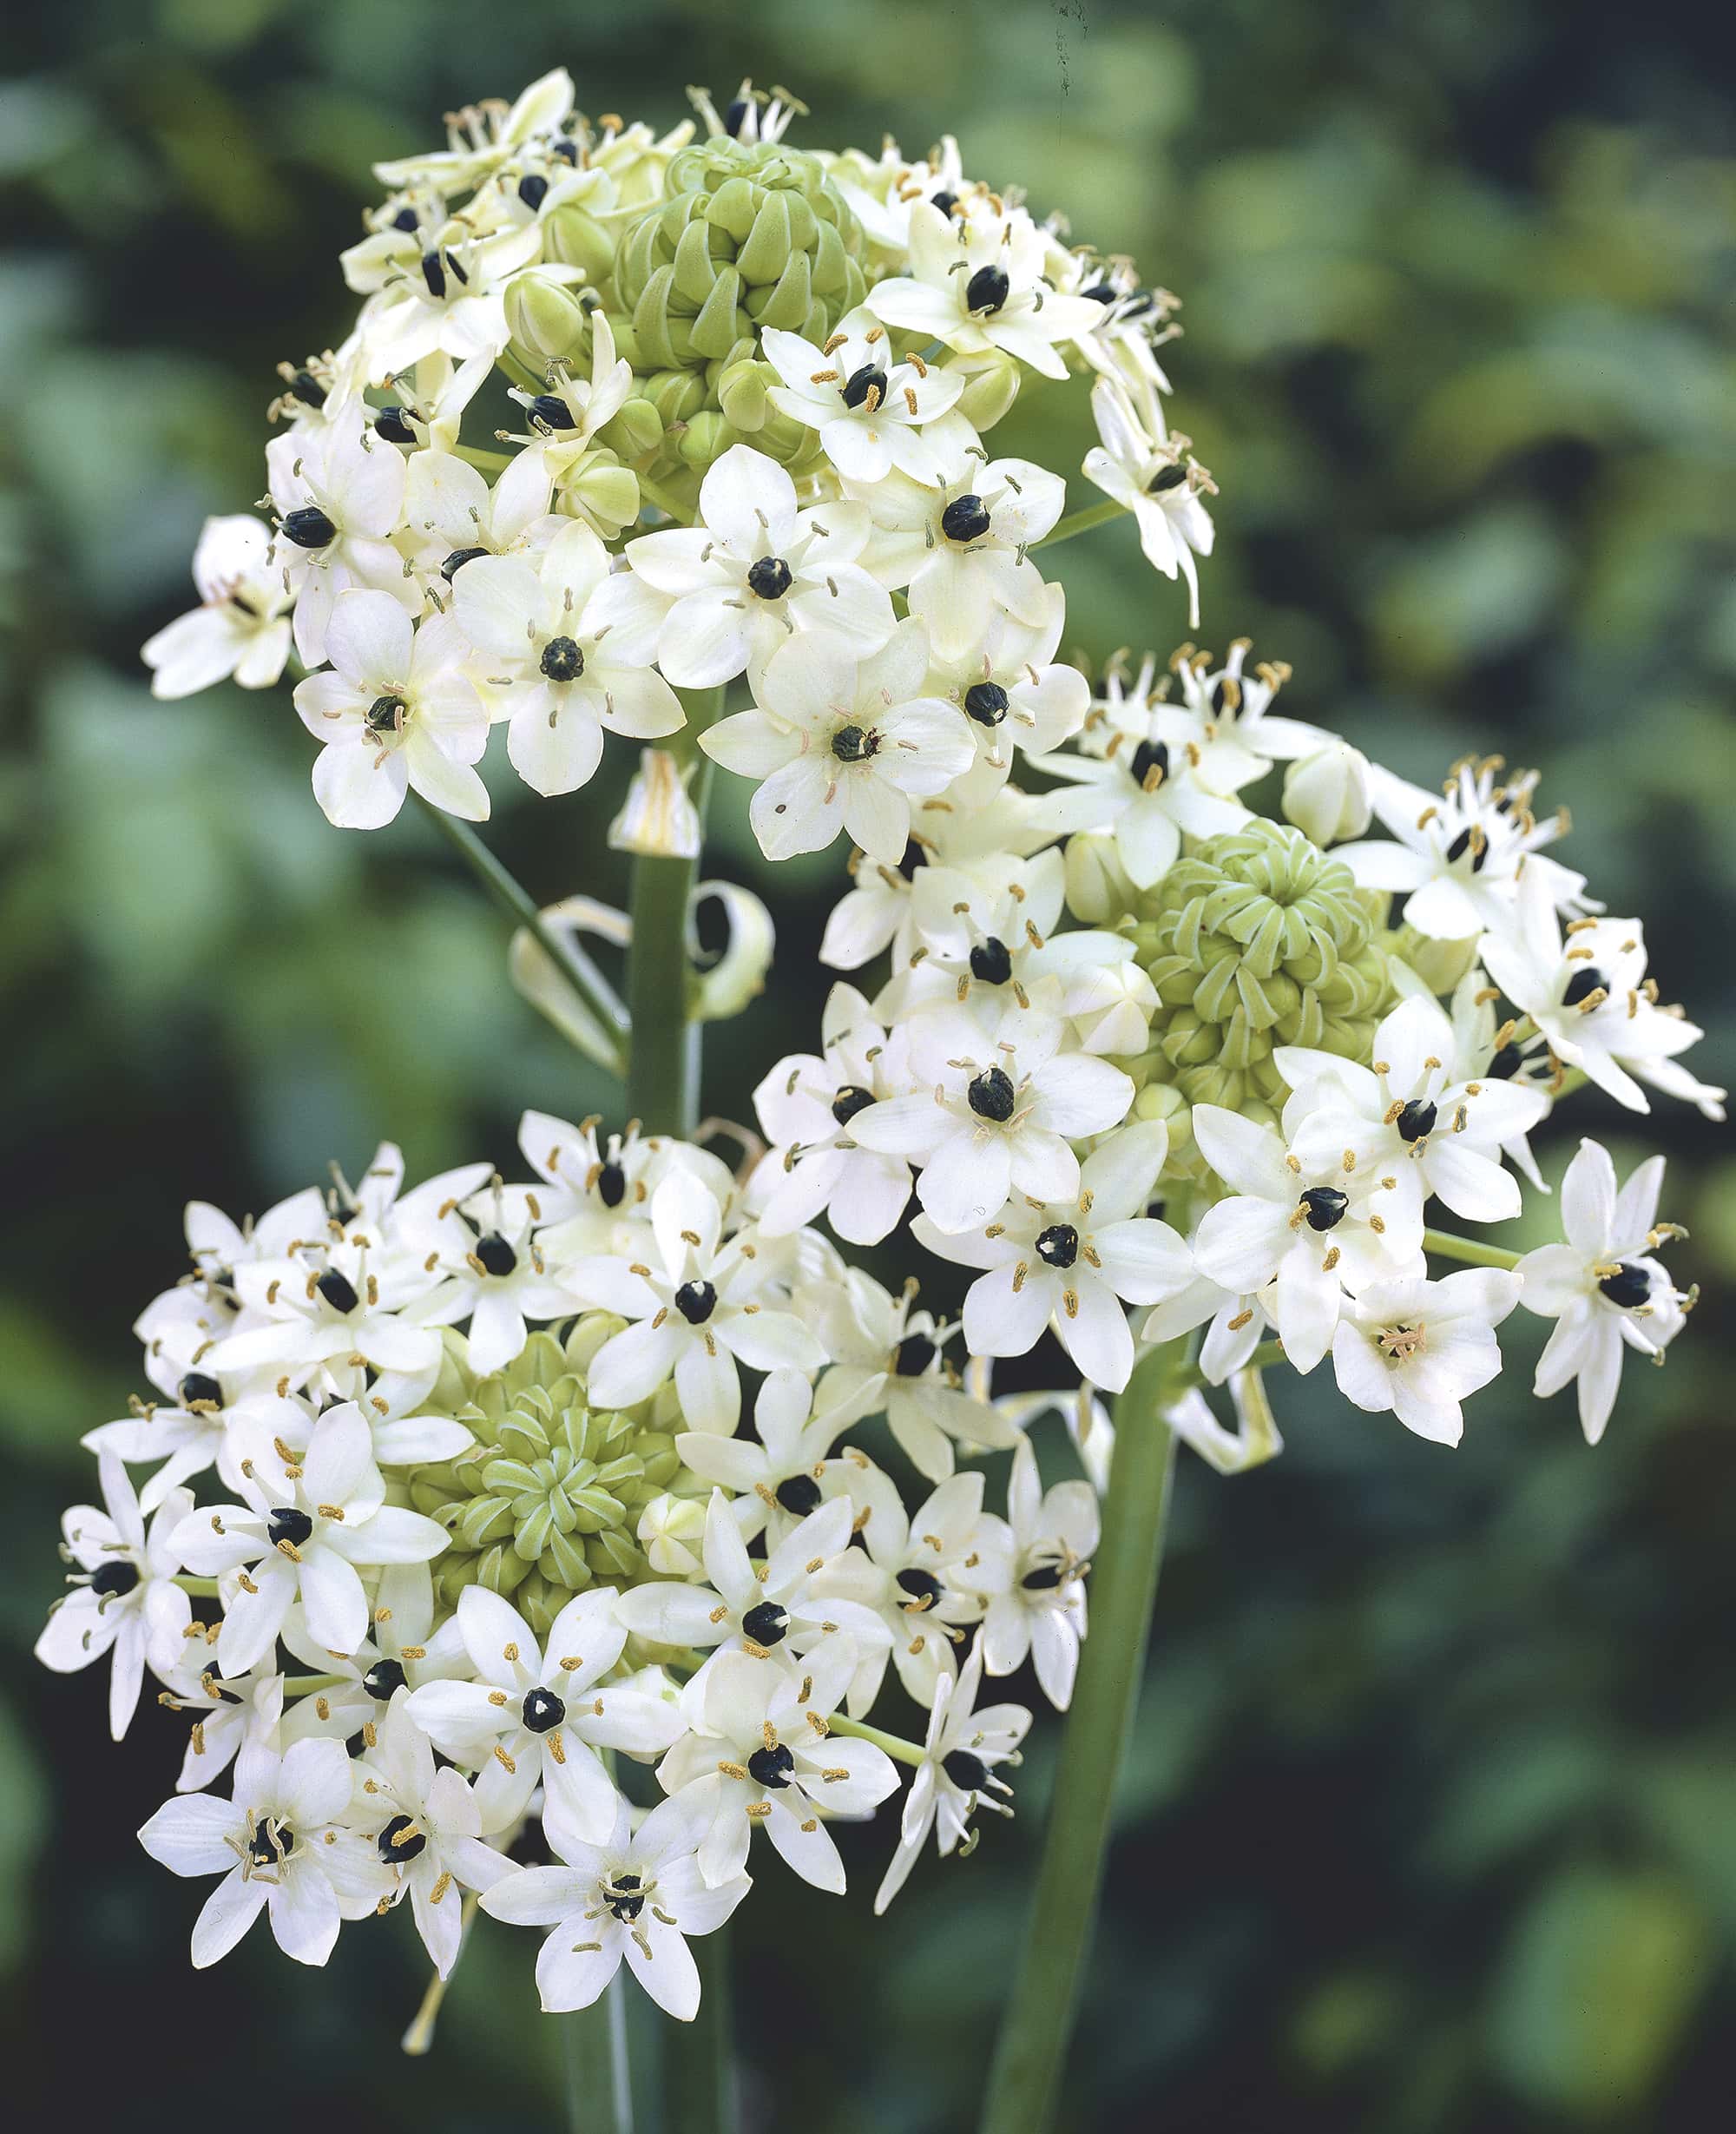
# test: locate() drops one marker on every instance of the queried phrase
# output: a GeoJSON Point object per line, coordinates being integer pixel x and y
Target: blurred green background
{"type": "Point", "coordinates": [1431, 1819]}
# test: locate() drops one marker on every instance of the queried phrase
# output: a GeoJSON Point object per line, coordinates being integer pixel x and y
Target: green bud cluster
{"type": "Point", "coordinates": [547, 1501]}
{"type": "Point", "coordinates": [1256, 939]}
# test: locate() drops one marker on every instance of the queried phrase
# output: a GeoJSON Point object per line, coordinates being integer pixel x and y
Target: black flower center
{"type": "Point", "coordinates": [870, 379]}
{"type": "Point", "coordinates": [848, 1100]}
{"type": "Point", "coordinates": [383, 1680]}
{"type": "Point", "coordinates": [533, 189]}
{"type": "Point", "coordinates": [1058, 1246]}
{"type": "Point", "coordinates": [921, 1585]}
{"type": "Point", "coordinates": [401, 1839]}
{"type": "Point", "coordinates": [1506, 1064]}
{"type": "Point", "coordinates": [306, 388]}
{"type": "Point", "coordinates": [552, 411]}
{"type": "Point", "coordinates": [799, 1494]}
{"type": "Point", "coordinates": [1149, 756]}
{"type": "Point", "coordinates": [497, 1255]}
{"type": "Point", "coordinates": [769, 577]}
{"type": "Point", "coordinates": [562, 660]}
{"type": "Point", "coordinates": [991, 1095]}
{"type": "Point", "coordinates": [624, 1897]}
{"type": "Point", "coordinates": [611, 1185]}
{"type": "Point", "coordinates": [1462, 844]}
{"type": "Point", "coordinates": [199, 1385]}
{"type": "Point", "coordinates": [966, 518]}
{"type": "Point", "coordinates": [766, 1623]}
{"type": "Point", "coordinates": [272, 1844]}
{"type": "Point", "coordinates": [309, 528]}
{"type": "Point", "coordinates": [1325, 1207]}
{"type": "Point", "coordinates": [966, 1769]}
{"type": "Point", "coordinates": [986, 703]}
{"type": "Point", "coordinates": [543, 1711]}
{"type": "Point", "coordinates": [992, 961]}
{"type": "Point", "coordinates": [1167, 478]}
{"type": "Point", "coordinates": [456, 561]}
{"type": "Point", "coordinates": [394, 424]}
{"type": "Point", "coordinates": [855, 744]}
{"type": "Point", "coordinates": [1582, 984]}
{"type": "Point", "coordinates": [289, 1522]}
{"type": "Point", "coordinates": [1417, 1119]}
{"type": "Point", "coordinates": [987, 289]}
{"type": "Point", "coordinates": [1628, 1287]}
{"type": "Point", "coordinates": [114, 1578]}
{"type": "Point", "coordinates": [339, 1291]}
{"type": "Point", "coordinates": [1042, 1578]}
{"type": "Point", "coordinates": [912, 1356]}
{"type": "Point", "coordinates": [385, 713]}
{"type": "Point", "coordinates": [696, 1301]}
{"type": "Point", "coordinates": [770, 1766]}
{"type": "Point", "coordinates": [945, 203]}
{"type": "Point", "coordinates": [433, 273]}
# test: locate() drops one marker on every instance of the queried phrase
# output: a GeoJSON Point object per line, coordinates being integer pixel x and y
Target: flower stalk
{"type": "Point", "coordinates": [1468, 1251]}
{"type": "Point", "coordinates": [1030, 2054]}
{"type": "Point", "coordinates": [1081, 522]}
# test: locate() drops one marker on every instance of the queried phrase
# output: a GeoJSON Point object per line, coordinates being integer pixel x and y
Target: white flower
{"type": "Point", "coordinates": [958, 544]}
{"type": "Point", "coordinates": [402, 1647]}
{"type": "Point", "coordinates": [570, 411]}
{"type": "Point", "coordinates": [919, 1573]}
{"type": "Point", "coordinates": [1592, 1000]}
{"type": "Point", "coordinates": [887, 1354]}
{"type": "Point", "coordinates": [1462, 854]}
{"type": "Point", "coordinates": [1035, 1577]}
{"type": "Point", "coordinates": [398, 711]}
{"type": "Point", "coordinates": [490, 1253]}
{"type": "Point", "coordinates": [483, 137]}
{"type": "Point", "coordinates": [339, 494]}
{"type": "Point", "coordinates": [426, 1827]}
{"type": "Point", "coordinates": [1238, 1320]}
{"type": "Point", "coordinates": [242, 627]}
{"type": "Point", "coordinates": [726, 593]}
{"type": "Point", "coordinates": [867, 407]}
{"type": "Point", "coordinates": [124, 1599]}
{"type": "Point", "coordinates": [1603, 1287]}
{"type": "Point", "coordinates": [1418, 1347]}
{"type": "Point", "coordinates": [1155, 476]}
{"type": "Point", "coordinates": [981, 282]}
{"type": "Point", "coordinates": [537, 1716]}
{"type": "Point", "coordinates": [225, 1714]}
{"type": "Point", "coordinates": [1310, 1231]}
{"type": "Point", "coordinates": [997, 1120]}
{"type": "Point", "coordinates": [805, 1106]}
{"type": "Point", "coordinates": [277, 1846]}
{"type": "Point", "coordinates": [456, 519]}
{"type": "Point", "coordinates": [439, 287]}
{"type": "Point", "coordinates": [639, 1895]}
{"type": "Point", "coordinates": [1014, 693]}
{"type": "Point", "coordinates": [671, 1528]}
{"type": "Point", "coordinates": [306, 1527]}
{"type": "Point", "coordinates": [1074, 1264]}
{"type": "Point", "coordinates": [712, 1303]}
{"type": "Point", "coordinates": [776, 1473]}
{"type": "Point", "coordinates": [776, 1611]}
{"type": "Point", "coordinates": [596, 1190]}
{"type": "Point", "coordinates": [957, 1774]}
{"type": "Point", "coordinates": [1411, 1111]}
{"type": "Point", "coordinates": [842, 745]}
{"type": "Point", "coordinates": [759, 1751]}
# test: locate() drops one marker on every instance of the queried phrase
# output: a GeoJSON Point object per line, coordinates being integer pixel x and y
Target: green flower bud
{"type": "Point", "coordinates": [548, 1500]}
{"type": "Point", "coordinates": [597, 488]}
{"type": "Point", "coordinates": [576, 239]}
{"type": "Point", "coordinates": [677, 396]}
{"type": "Point", "coordinates": [1440, 965]}
{"type": "Point", "coordinates": [990, 393]}
{"type": "Point", "coordinates": [1256, 939]}
{"type": "Point", "coordinates": [545, 318]}
{"type": "Point", "coordinates": [748, 235]}
{"type": "Point", "coordinates": [707, 436]}
{"type": "Point", "coordinates": [636, 431]}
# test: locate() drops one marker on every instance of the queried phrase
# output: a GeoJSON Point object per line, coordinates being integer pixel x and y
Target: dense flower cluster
{"type": "Point", "coordinates": [550, 1487]}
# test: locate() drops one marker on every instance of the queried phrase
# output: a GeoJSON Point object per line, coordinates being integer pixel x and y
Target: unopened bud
{"type": "Point", "coordinates": [1099, 890]}
{"type": "Point", "coordinates": [1325, 796]}
{"type": "Point", "coordinates": [1440, 965]}
{"type": "Point", "coordinates": [598, 490]}
{"type": "Point", "coordinates": [659, 821]}
{"type": "Point", "coordinates": [574, 238]}
{"type": "Point", "coordinates": [993, 388]}
{"type": "Point", "coordinates": [635, 430]}
{"type": "Point", "coordinates": [544, 316]}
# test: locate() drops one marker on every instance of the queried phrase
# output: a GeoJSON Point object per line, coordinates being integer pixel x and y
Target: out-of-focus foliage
{"type": "Point", "coordinates": [1430, 1823]}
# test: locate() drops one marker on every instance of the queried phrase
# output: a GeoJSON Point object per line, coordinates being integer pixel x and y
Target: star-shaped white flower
{"type": "Point", "coordinates": [1418, 1347]}
{"type": "Point", "coordinates": [868, 407]}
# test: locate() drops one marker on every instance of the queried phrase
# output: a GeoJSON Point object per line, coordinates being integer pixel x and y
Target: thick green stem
{"type": "Point", "coordinates": [568, 959]}
{"type": "Point", "coordinates": [699, 2084]}
{"type": "Point", "coordinates": [1468, 1250]}
{"type": "Point", "coordinates": [663, 1068]}
{"type": "Point", "coordinates": [895, 1746]}
{"type": "Point", "coordinates": [1030, 2054]}
{"type": "Point", "coordinates": [1082, 522]}
{"type": "Point", "coordinates": [594, 2058]}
